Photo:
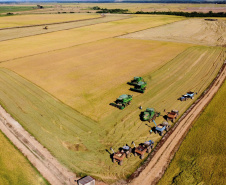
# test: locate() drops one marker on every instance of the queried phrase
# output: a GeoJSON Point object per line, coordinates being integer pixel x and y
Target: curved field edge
{"type": "Point", "coordinates": [15, 168]}
{"type": "Point", "coordinates": [81, 143]}
{"type": "Point", "coordinates": [201, 157]}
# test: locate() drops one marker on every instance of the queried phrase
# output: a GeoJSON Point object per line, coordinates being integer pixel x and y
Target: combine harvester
{"type": "Point", "coordinates": [139, 84]}
{"type": "Point", "coordinates": [186, 96]}
{"type": "Point", "coordinates": [149, 115]}
{"type": "Point", "coordinates": [143, 148]}
{"type": "Point", "coordinates": [123, 152]}
{"type": "Point", "coordinates": [140, 87]}
{"type": "Point", "coordinates": [123, 101]}
{"type": "Point", "coordinates": [136, 80]}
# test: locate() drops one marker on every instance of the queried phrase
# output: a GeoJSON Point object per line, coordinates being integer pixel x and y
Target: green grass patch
{"type": "Point", "coordinates": [201, 158]}
{"type": "Point", "coordinates": [15, 168]}
{"type": "Point", "coordinates": [6, 9]}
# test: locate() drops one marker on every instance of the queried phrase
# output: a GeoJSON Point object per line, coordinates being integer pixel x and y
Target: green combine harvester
{"type": "Point", "coordinates": [123, 101]}
{"type": "Point", "coordinates": [140, 87]}
{"type": "Point", "coordinates": [149, 115]}
{"type": "Point", "coordinates": [135, 80]}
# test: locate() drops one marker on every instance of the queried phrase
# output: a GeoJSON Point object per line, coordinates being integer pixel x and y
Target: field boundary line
{"type": "Point", "coordinates": [157, 162]}
{"type": "Point", "coordinates": [35, 25]}
{"type": "Point", "coordinates": [38, 155]}
{"type": "Point", "coordinates": [147, 29]}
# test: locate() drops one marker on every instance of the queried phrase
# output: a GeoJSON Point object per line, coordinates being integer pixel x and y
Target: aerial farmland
{"type": "Point", "coordinates": [59, 72]}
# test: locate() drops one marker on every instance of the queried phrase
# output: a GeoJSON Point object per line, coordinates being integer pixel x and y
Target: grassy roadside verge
{"type": "Point", "coordinates": [15, 168]}
{"type": "Point", "coordinates": [201, 157]}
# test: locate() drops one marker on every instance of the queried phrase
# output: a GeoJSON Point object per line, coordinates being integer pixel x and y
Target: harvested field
{"type": "Point", "coordinates": [15, 168]}
{"type": "Point", "coordinates": [81, 143]}
{"type": "Point", "coordinates": [202, 159]}
{"type": "Point", "coordinates": [196, 31]}
{"type": "Point", "coordinates": [7, 34]}
{"type": "Point", "coordinates": [85, 34]}
{"type": "Point", "coordinates": [94, 72]}
{"type": "Point", "coordinates": [24, 20]}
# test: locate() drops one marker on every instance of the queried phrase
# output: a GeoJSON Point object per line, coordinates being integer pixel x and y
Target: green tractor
{"type": "Point", "coordinates": [149, 115]}
{"type": "Point", "coordinates": [123, 101]}
{"type": "Point", "coordinates": [136, 80]}
{"type": "Point", "coordinates": [139, 87]}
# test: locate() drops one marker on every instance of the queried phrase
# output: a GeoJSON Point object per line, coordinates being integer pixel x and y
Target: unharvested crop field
{"type": "Point", "coordinates": [201, 157]}
{"type": "Point", "coordinates": [15, 168]}
{"type": "Point", "coordinates": [24, 20]}
{"type": "Point", "coordinates": [197, 31]}
{"type": "Point", "coordinates": [61, 86]}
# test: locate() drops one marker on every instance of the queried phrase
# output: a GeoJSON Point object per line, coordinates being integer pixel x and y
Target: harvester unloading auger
{"type": "Point", "coordinates": [123, 101]}
{"type": "Point", "coordinates": [149, 115]}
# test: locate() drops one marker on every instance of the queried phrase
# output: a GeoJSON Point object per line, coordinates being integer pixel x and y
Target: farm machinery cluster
{"type": "Point", "coordinates": [148, 115]}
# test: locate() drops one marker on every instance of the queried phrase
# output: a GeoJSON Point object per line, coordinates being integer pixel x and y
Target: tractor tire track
{"type": "Point", "coordinates": [158, 161]}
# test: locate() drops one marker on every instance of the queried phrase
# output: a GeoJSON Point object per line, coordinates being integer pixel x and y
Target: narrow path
{"type": "Point", "coordinates": [39, 156]}
{"type": "Point", "coordinates": [161, 157]}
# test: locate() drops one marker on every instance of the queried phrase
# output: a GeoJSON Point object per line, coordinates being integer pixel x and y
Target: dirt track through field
{"type": "Point", "coordinates": [39, 156]}
{"type": "Point", "coordinates": [160, 159]}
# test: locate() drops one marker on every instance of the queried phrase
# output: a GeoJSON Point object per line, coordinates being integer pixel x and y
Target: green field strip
{"type": "Point", "coordinates": [15, 168]}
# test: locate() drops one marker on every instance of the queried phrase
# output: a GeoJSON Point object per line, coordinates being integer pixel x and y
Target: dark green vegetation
{"type": "Point", "coordinates": [201, 158]}
{"type": "Point", "coordinates": [187, 14]}
{"type": "Point", "coordinates": [15, 168]}
{"type": "Point", "coordinates": [7, 9]}
{"type": "Point", "coordinates": [105, 10]}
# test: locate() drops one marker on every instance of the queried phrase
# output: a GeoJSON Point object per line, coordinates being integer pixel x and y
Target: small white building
{"type": "Point", "coordinates": [86, 181]}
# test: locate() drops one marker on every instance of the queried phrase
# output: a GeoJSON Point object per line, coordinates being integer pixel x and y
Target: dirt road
{"type": "Point", "coordinates": [162, 157]}
{"type": "Point", "coordinates": [39, 156]}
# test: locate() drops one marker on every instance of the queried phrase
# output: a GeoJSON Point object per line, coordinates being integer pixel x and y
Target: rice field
{"type": "Point", "coordinates": [81, 143]}
{"type": "Point", "coordinates": [61, 86]}
{"type": "Point", "coordinates": [201, 157]}
{"type": "Point", "coordinates": [15, 168]}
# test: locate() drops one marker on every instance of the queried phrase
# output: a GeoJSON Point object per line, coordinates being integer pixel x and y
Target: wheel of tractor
{"type": "Point", "coordinates": [120, 163]}
{"type": "Point", "coordinates": [113, 160]}
{"type": "Point", "coordinates": [142, 156]}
